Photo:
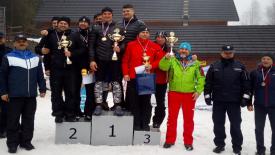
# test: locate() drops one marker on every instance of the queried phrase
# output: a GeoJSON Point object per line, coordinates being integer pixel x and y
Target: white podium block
{"type": "Point", "coordinates": [108, 129]}
{"type": "Point", "coordinates": [73, 132]}
{"type": "Point", "coordinates": [151, 137]}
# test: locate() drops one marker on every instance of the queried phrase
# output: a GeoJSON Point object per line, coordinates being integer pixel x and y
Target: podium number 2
{"type": "Point", "coordinates": [74, 132]}
{"type": "Point", "coordinates": [113, 130]}
{"type": "Point", "coordinates": [147, 139]}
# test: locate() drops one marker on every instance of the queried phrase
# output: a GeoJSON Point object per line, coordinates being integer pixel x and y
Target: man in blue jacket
{"type": "Point", "coordinates": [263, 89]}
{"type": "Point", "coordinates": [20, 73]}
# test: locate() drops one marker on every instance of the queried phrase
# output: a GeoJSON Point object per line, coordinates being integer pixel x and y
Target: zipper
{"type": "Point", "coordinates": [28, 75]}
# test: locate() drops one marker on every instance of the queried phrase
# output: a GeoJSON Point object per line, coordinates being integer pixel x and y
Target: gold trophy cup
{"type": "Point", "coordinates": [65, 43]}
{"type": "Point", "coordinates": [116, 37]}
{"type": "Point", "coordinates": [172, 40]}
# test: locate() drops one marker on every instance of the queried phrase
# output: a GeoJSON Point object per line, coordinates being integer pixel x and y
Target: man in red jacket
{"type": "Point", "coordinates": [133, 57]}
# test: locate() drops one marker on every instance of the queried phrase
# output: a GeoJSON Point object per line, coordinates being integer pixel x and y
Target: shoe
{"type": "Point", "coordinates": [12, 149]}
{"type": "Point", "coordinates": [118, 111]}
{"type": "Point", "coordinates": [27, 146]}
{"type": "Point", "coordinates": [58, 119]}
{"type": "Point", "coordinates": [87, 118]}
{"type": "Point", "coordinates": [166, 145]}
{"type": "Point", "coordinates": [189, 147]}
{"type": "Point", "coordinates": [261, 153]}
{"type": "Point", "coordinates": [98, 110]}
{"type": "Point", "coordinates": [218, 149]}
{"type": "Point", "coordinates": [70, 119]}
{"type": "Point", "coordinates": [105, 106]}
{"type": "Point", "coordinates": [156, 125]}
{"type": "Point", "coordinates": [3, 135]}
{"type": "Point", "coordinates": [237, 152]}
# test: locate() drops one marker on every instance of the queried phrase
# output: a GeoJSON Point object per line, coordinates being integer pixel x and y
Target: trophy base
{"type": "Point", "coordinates": [114, 58]}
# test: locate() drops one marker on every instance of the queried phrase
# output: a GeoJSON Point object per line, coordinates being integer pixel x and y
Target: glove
{"type": "Point", "coordinates": [207, 99]}
{"type": "Point", "coordinates": [244, 102]}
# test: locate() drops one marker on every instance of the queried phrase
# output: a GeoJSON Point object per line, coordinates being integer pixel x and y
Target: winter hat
{"type": "Point", "coordinates": [271, 55]}
{"type": "Point", "coordinates": [55, 18]}
{"type": "Point", "coordinates": [107, 9]}
{"type": "Point", "coordinates": [161, 34]}
{"type": "Point", "coordinates": [142, 28]}
{"type": "Point", "coordinates": [66, 19]}
{"type": "Point", "coordinates": [20, 37]}
{"type": "Point", "coordinates": [185, 45]}
{"type": "Point", "coordinates": [227, 48]}
{"type": "Point", "coordinates": [84, 19]}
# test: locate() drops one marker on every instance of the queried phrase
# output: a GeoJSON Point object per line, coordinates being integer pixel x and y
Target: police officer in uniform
{"type": "Point", "coordinates": [227, 85]}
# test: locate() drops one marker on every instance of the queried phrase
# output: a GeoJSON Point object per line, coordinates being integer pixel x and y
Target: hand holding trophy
{"type": "Point", "coordinates": [172, 40]}
{"type": "Point", "coordinates": [116, 37]}
{"type": "Point", "coordinates": [65, 43]}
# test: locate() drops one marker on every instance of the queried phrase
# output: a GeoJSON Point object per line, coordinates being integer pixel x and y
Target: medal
{"type": "Point", "coordinates": [125, 31]}
{"type": "Point", "coordinates": [126, 25]}
{"type": "Point", "coordinates": [104, 39]}
{"type": "Point", "coordinates": [264, 77]}
{"type": "Point", "coordinates": [104, 31]}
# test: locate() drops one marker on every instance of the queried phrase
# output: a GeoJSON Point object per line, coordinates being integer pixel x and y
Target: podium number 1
{"type": "Point", "coordinates": [74, 132]}
{"type": "Point", "coordinates": [113, 129]}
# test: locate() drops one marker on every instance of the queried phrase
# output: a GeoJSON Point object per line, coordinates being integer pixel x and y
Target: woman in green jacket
{"type": "Point", "coordinates": [186, 82]}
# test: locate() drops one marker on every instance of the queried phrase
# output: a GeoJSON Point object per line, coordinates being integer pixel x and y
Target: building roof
{"type": "Point", "coordinates": [209, 39]}
{"type": "Point", "coordinates": [147, 10]}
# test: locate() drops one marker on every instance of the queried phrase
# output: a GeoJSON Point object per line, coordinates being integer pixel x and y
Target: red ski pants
{"type": "Point", "coordinates": [186, 102]}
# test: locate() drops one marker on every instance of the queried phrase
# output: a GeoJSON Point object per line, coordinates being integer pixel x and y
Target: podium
{"type": "Point", "coordinates": [108, 129]}
{"type": "Point", "coordinates": [151, 137]}
{"type": "Point", "coordinates": [73, 132]}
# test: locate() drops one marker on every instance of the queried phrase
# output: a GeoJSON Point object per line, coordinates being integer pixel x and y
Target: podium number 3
{"type": "Point", "coordinates": [113, 130]}
{"type": "Point", "coordinates": [74, 132]}
{"type": "Point", "coordinates": [147, 139]}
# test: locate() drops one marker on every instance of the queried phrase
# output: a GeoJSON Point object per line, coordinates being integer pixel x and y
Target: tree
{"type": "Point", "coordinates": [270, 14]}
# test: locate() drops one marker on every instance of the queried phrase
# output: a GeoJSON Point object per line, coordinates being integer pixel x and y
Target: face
{"type": "Point", "coordinates": [266, 61]}
{"type": "Point", "coordinates": [227, 54]}
{"type": "Point", "coordinates": [62, 26]}
{"type": "Point", "coordinates": [144, 35]}
{"type": "Point", "coordinates": [183, 52]}
{"type": "Point", "coordinates": [98, 19]}
{"type": "Point", "coordinates": [107, 16]}
{"type": "Point", "coordinates": [160, 40]}
{"type": "Point", "coordinates": [54, 24]}
{"type": "Point", "coordinates": [128, 13]}
{"type": "Point", "coordinates": [21, 44]}
{"type": "Point", "coordinates": [2, 41]}
{"type": "Point", "coordinates": [83, 25]}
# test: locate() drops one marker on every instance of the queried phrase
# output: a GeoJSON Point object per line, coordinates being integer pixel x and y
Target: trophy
{"type": "Point", "coordinates": [172, 40]}
{"type": "Point", "coordinates": [65, 43]}
{"type": "Point", "coordinates": [116, 37]}
{"type": "Point", "coordinates": [146, 61]}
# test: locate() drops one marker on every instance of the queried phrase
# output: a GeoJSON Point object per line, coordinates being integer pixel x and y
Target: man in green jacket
{"type": "Point", "coordinates": [186, 82]}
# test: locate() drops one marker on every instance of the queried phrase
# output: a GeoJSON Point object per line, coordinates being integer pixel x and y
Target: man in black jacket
{"type": "Point", "coordinates": [130, 25]}
{"type": "Point", "coordinates": [41, 44]}
{"type": "Point", "coordinates": [3, 108]}
{"type": "Point", "coordinates": [63, 75]}
{"type": "Point", "coordinates": [101, 51]}
{"type": "Point", "coordinates": [227, 85]}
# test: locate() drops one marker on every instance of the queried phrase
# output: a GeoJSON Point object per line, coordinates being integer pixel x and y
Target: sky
{"type": "Point", "coordinates": [244, 5]}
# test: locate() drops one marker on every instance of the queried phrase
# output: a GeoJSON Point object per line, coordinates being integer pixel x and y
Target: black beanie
{"type": "Point", "coordinates": [66, 19]}
{"type": "Point", "coordinates": [55, 18]}
{"type": "Point", "coordinates": [271, 55]}
{"type": "Point", "coordinates": [84, 19]}
{"type": "Point", "coordinates": [142, 28]}
{"type": "Point", "coordinates": [107, 9]}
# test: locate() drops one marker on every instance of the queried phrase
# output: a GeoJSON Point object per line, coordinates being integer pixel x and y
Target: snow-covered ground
{"type": "Point", "coordinates": [203, 137]}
